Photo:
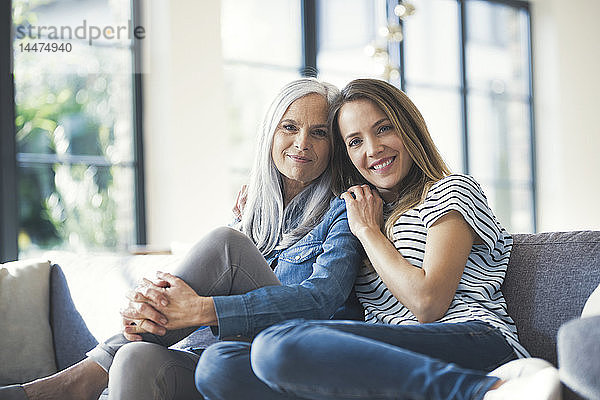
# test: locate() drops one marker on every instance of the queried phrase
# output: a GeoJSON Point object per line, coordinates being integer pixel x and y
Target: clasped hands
{"type": "Point", "coordinates": [157, 306]}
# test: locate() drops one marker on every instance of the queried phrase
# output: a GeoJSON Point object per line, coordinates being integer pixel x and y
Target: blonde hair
{"type": "Point", "coordinates": [428, 166]}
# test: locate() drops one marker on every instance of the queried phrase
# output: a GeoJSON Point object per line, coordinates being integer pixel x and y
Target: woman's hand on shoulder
{"type": "Point", "coordinates": [364, 208]}
{"type": "Point", "coordinates": [240, 202]}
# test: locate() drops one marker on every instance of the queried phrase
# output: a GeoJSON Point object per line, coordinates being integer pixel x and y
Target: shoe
{"type": "Point", "coordinates": [13, 392]}
{"type": "Point", "coordinates": [519, 367]}
{"type": "Point", "coordinates": [526, 379]}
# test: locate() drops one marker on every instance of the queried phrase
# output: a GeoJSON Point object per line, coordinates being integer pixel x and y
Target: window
{"type": "Point", "coordinates": [76, 147]}
{"type": "Point", "coordinates": [465, 63]}
{"type": "Point", "coordinates": [262, 51]}
{"type": "Point", "coordinates": [347, 29]}
{"type": "Point", "coordinates": [467, 66]}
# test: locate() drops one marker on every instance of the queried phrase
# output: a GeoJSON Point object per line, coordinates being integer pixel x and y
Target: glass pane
{"type": "Point", "coordinates": [72, 114]}
{"type": "Point", "coordinates": [75, 208]}
{"type": "Point", "coordinates": [262, 31]}
{"type": "Point", "coordinates": [500, 155]}
{"type": "Point", "coordinates": [499, 139]}
{"type": "Point", "coordinates": [431, 44]}
{"type": "Point", "coordinates": [512, 205]}
{"type": "Point", "coordinates": [497, 48]}
{"type": "Point", "coordinates": [79, 58]}
{"type": "Point", "coordinates": [74, 120]}
{"type": "Point", "coordinates": [250, 92]}
{"type": "Point", "coordinates": [441, 110]}
{"type": "Point", "coordinates": [346, 29]}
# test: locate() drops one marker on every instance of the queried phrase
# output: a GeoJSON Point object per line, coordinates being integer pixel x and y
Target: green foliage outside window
{"type": "Point", "coordinates": [73, 168]}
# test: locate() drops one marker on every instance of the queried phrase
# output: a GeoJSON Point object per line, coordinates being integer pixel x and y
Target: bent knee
{"type": "Point", "coordinates": [215, 241]}
{"type": "Point", "coordinates": [225, 234]}
{"type": "Point", "coordinates": [277, 352]}
{"type": "Point", "coordinates": [220, 363]}
{"type": "Point", "coordinates": [137, 356]}
{"type": "Point", "coordinates": [211, 361]}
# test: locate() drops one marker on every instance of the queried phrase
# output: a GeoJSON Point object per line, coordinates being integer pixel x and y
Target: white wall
{"type": "Point", "coordinates": [567, 107]}
{"type": "Point", "coordinates": [185, 152]}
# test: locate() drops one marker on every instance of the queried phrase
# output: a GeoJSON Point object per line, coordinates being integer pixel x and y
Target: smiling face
{"type": "Point", "coordinates": [301, 143]}
{"type": "Point", "coordinates": [374, 146]}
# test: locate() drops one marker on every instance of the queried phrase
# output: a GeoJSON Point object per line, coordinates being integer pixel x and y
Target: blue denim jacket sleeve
{"type": "Point", "coordinates": [330, 275]}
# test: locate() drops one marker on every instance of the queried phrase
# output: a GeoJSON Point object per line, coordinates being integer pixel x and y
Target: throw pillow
{"type": "Point", "coordinates": [26, 350]}
{"type": "Point", "coordinates": [592, 305]}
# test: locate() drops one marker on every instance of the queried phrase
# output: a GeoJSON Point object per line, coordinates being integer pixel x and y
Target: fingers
{"type": "Point", "coordinates": [132, 337]}
{"type": "Point", "coordinates": [153, 292]}
{"type": "Point", "coordinates": [347, 197]}
{"type": "Point", "coordinates": [134, 296]}
{"type": "Point", "coordinates": [171, 279]}
{"type": "Point", "coordinates": [359, 192]}
{"type": "Point", "coordinates": [243, 197]}
{"type": "Point", "coordinates": [138, 311]}
{"type": "Point", "coordinates": [130, 333]}
{"type": "Point", "coordinates": [159, 283]}
{"type": "Point", "coordinates": [132, 330]}
{"type": "Point", "coordinates": [237, 214]}
{"type": "Point", "coordinates": [143, 326]}
{"type": "Point", "coordinates": [148, 292]}
{"type": "Point", "coordinates": [240, 202]}
{"type": "Point", "coordinates": [146, 311]}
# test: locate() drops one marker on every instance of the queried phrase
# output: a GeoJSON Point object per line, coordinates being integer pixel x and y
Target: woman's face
{"type": "Point", "coordinates": [301, 144]}
{"type": "Point", "coordinates": [374, 146]}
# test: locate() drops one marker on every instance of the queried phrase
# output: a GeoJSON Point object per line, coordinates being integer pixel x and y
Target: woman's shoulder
{"type": "Point", "coordinates": [457, 184]}
{"type": "Point", "coordinates": [456, 180]}
{"type": "Point", "coordinates": [333, 222]}
{"type": "Point", "coordinates": [335, 213]}
{"type": "Point", "coordinates": [336, 206]}
{"type": "Point", "coordinates": [463, 193]}
{"type": "Point", "coordinates": [337, 203]}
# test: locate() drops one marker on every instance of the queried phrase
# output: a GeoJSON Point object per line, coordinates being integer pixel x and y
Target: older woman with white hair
{"type": "Point", "coordinates": [292, 257]}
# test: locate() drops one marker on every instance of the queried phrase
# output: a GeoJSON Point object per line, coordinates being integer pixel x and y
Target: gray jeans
{"type": "Point", "coordinates": [224, 262]}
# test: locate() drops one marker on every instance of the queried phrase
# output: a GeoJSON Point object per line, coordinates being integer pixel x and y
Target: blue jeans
{"type": "Point", "coordinates": [355, 360]}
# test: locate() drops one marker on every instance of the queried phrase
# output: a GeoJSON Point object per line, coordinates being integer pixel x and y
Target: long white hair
{"type": "Point", "coordinates": [265, 220]}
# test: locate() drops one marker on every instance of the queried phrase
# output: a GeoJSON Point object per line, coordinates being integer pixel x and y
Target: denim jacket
{"type": "Point", "coordinates": [317, 274]}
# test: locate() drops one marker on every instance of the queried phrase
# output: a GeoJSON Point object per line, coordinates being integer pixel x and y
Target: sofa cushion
{"type": "Point", "coordinates": [87, 292]}
{"type": "Point", "coordinates": [548, 280]}
{"type": "Point", "coordinates": [72, 338]}
{"type": "Point", "coordinates": [26, 350]}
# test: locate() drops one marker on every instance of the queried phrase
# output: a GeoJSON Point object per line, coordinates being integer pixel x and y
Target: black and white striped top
{"type": "Point", "coordinates": [478, 296]}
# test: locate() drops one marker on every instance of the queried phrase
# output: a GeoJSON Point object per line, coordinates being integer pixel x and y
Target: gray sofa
{"type": "Point", "coordinates": [549, 278]}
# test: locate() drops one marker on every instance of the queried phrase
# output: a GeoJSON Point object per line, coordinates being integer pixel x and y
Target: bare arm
{"type": "Point", "coordinates": [428, 291]}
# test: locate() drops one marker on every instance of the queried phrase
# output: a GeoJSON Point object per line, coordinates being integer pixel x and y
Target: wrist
{"type": "Point", "coordinates": [205, 311]}
{"type": "Point", "coordinates": [368, 232]}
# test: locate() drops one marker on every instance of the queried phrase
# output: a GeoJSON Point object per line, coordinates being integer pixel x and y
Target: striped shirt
{"type": "Point", "coordinates": [478, 296]}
